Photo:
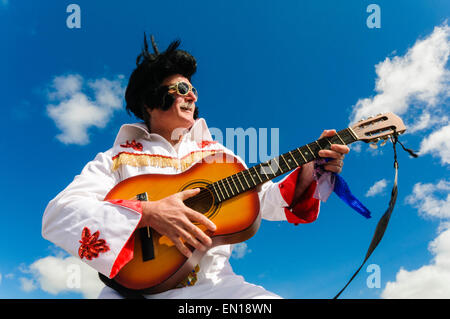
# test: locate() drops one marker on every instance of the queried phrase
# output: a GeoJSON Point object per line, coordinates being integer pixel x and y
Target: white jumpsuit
{"type": "Point", "coordinates": [100, 232]}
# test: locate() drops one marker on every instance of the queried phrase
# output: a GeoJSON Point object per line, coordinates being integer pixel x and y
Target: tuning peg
{"type": "Point", "coordinates": [383, 142]}
{"type": "Point", "coordinates": [373, 144]}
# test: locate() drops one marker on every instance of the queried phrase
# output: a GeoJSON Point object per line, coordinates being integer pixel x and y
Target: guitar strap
{"type": "Point", "coordinates": [124, 292]}
{"type": "Point", "coordinates": [384, 220]}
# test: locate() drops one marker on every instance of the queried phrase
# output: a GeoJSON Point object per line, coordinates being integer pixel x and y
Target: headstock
{"type": "Point", "coordinates": [378, 127]}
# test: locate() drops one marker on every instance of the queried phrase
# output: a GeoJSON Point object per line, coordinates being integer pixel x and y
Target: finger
{"type": "Point", "coordinates": [188, 193]}
{"type": "Point", "coordinates": [336, 162]}
{"type": "Point", "coordinates": [331, 154]}
{"type": "Point", "coordinates": [344, 149]}
{"type": "Point", "coordinates": [199, 234]}
{"type": "Point", "coordinates": [200, 218]}
{"type": "Point", "coordinates": [334, 165]}
{"type": "Point", "coordinates": [328, 133]}
{"type": "Point", "coordinates": [181, 246]}
{"type": "Point", "coordinates": [189, 238]}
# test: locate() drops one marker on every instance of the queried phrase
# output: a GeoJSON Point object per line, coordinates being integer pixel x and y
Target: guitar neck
{"type": "Point", "coordinates": [248, 179]}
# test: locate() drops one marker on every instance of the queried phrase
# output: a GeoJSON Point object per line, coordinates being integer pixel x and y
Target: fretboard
{"type": "Point", "coordinates": [248, 179]}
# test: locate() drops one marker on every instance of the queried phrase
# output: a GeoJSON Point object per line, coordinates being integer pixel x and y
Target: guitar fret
{"type": "Point", "coordinates": [254, 169]}
{"type": "Point", "coordinates": [318, 145]}
{"type": "Point", "coordinates": [347, 136]}
{"type": "Point", "coordinates": [352, 133]}
{"type": "Point", "coordinates": [225, 188]}
{"type": "Point", "coordinates": [233, 178]}
{"type": "Point", "coordinates": [324, 143]}
{"type": "Point", "coordinates": [337, 134]}
{"type": "Point", "coordinates": [262, 170]}
{"type": "Point", "coordinates": [279, 165]}
{"type": "Point", "coordinates": [270, 166]}
{"type": "Point", "coordinates": [314, 148]}
{"type": "Point", "coordinates": [302, 155]}
{"type": "Point", "coordinates": [282, 157]}
{"type": "Point", "coordinates": [307, 145]}
{"type": "Point", "coordinates": [218, 185]}
{"type": "Point", "coordinates": [250, 174]}
{"type": "Point", "coordinates": [215, 191]}
{"type": "Point", "coordinates": [229, 184]}
{"type": "Point", "coordinates": [290, 153]}
{"type": "Point", "coordinates": [239, 179]}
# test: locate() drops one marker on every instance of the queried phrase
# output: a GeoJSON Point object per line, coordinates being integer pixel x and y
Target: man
{"type": "Point", "coordinates": [170, 140]}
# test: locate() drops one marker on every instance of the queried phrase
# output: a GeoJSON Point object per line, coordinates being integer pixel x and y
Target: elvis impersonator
{"type": "Point", "coordinates": [168, 141]}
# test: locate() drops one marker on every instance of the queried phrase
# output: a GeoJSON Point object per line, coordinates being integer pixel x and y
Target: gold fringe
{"type": "Point", "coordinates": [138, 160]}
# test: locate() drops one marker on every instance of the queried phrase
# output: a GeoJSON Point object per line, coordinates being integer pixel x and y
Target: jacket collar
{"type": "Point", "coordinates": [198, 132]}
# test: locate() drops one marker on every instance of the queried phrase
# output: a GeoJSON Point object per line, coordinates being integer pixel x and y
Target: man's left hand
{"type": "Point", "coordinates": [336, 153]}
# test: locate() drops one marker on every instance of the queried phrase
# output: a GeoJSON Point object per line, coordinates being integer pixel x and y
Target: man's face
{"type": "Point", "coordinates": [180, 114]}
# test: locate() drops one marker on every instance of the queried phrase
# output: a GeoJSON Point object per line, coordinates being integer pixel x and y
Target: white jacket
{"type": "Point", "coordinates": [101, 232]}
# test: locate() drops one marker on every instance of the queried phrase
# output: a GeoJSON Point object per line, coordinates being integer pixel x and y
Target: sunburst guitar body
{"type": "Point", "coordinates": [237, 219]}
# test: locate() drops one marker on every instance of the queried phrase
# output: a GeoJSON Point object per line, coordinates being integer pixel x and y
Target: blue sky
{"type": "Point", "coordinates": [297, 66]}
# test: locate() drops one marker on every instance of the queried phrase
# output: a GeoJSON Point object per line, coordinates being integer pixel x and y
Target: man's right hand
{"type": "Point", "coordinates": [172, 218]}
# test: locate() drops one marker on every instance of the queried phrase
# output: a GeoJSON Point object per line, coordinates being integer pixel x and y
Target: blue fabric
{"type": "Point", "coordinates": [343, 191]}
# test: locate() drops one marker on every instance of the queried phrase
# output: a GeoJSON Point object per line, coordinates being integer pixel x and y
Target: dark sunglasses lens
{"type": "Point", "coordinates": [183, 88]}
{"type": "Point", "coordinates": [194, 90]}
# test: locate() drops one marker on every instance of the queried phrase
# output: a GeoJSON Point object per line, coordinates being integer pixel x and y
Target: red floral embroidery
{"type": "Point", "coordinates": [91, 246]}
{"type": "Point", "coordinates": [203, 144]}
{"type": "Point", "coordinates": [133, 145]}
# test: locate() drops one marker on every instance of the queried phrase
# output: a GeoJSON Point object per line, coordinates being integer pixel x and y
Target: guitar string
{"type": "Point", "coordinates": [235, 176]}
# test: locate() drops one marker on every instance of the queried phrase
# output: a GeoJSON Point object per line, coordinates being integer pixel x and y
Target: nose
{"type": "Point", "coordinates": [190, 97]}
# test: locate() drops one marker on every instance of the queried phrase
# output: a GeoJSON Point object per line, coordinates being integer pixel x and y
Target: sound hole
{"type": "Point", "coordinates": [203, 202]}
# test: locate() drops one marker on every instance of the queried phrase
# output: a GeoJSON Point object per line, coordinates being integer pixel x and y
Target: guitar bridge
{"type": "Point", "coordinates": [146, 235]}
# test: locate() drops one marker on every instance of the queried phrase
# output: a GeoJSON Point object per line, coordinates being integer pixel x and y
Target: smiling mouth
{"type": "Point", "coordinates": [188, 108]}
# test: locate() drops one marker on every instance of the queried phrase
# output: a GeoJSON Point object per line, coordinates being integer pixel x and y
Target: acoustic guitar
{"type": "Point", "coordinates": [228, 197]}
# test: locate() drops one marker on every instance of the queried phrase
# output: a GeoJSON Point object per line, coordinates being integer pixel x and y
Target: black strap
{"type": "Point", "coordinates": [384, 220]}
{"type": "Point", "coordinates": [124, 292]}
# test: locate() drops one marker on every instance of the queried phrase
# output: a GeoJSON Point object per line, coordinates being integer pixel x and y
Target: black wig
{"type": "Point", "coordinates": [144, 88]}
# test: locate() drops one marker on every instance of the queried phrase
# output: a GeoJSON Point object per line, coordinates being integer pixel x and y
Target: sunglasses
{"type": "Point", "coordinates": [183, 88]}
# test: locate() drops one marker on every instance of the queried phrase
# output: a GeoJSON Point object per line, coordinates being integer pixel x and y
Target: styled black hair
{"type": "Point", "coordinates": [144, 88]}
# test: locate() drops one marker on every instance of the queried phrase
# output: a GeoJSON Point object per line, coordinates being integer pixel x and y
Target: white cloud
{"type": "Point", "coordinates": [376, 188]}
{"type": "Point", "coordinates": [426, 121]}
{"type": "Point", "coordinates": [75, 111]}
{"type": "Point", "coordinates": [418, 77]}
{"type": "Point", "coordinates": [240, 250]}
{"type": "Point", "coordinates": [27, 284]}
{"type": "Point", "coordinates": [432, 280]}
{"type": "Point", "coordinates": [57, 275]}
{"type": "Point", "coordinates": [429, 281]}
{"type": "Point", "coordinates": [426, 199]}
{"type": "Point", "coordinates": [438, 144]}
